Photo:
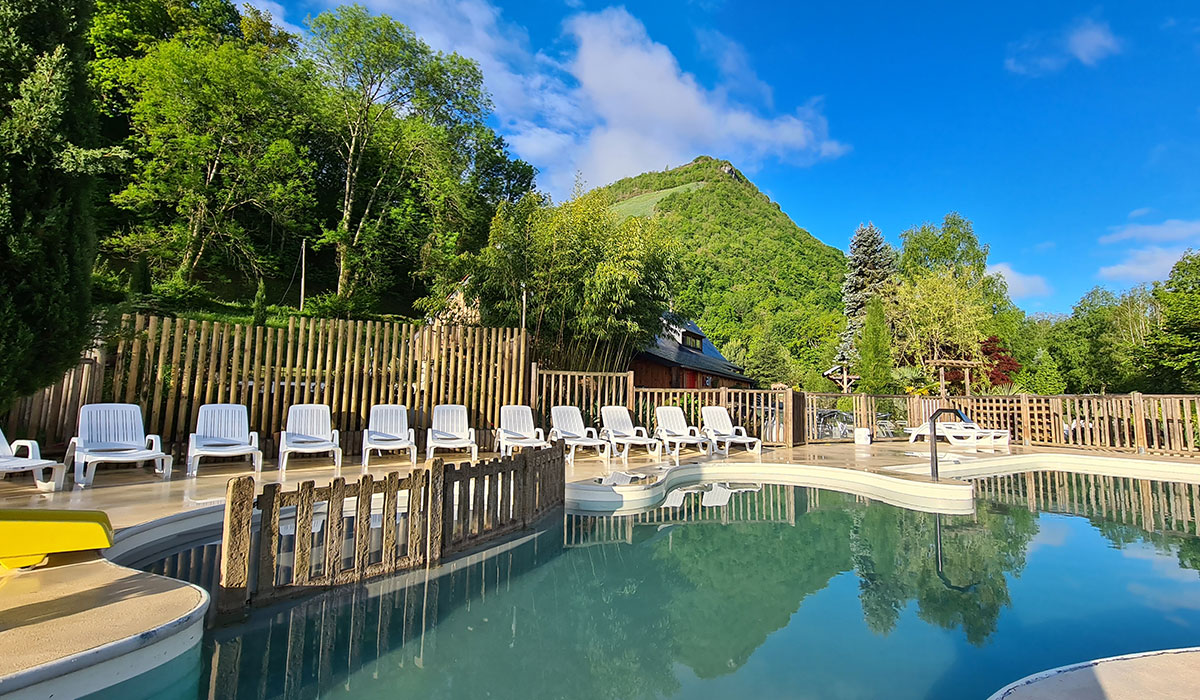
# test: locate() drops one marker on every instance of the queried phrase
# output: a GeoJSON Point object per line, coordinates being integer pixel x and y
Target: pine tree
{"type": "Point", "coordinates": [46, 244]}
{"type": "Point", "coordinates": [875, 351]}
{"type": "Point", "coordinates": [871, 266]}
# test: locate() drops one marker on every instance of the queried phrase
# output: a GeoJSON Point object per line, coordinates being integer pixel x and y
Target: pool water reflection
{"type": "Point", "coordinates": [784, 592]}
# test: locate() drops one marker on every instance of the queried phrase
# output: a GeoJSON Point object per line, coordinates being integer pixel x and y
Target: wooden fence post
{"type": "Point", "coordinates": [533, 386]}
{"type": "Point", "coordinates": [268, 540]}
{"type": "Point", "coordinates": [435, 511]}
{"type": "Point", "coordinates": [629, 390]}
{"type": "Point", "coordinates": [789, 418]}
{"type": "Point", "coordinates": [1026, 425]}
{"type": "Point", "coordinates": [233, 593]}
{"type": "Point", "coordinates": [799, 401]}
{"type": "Point", "coordinates": [1140, 440]}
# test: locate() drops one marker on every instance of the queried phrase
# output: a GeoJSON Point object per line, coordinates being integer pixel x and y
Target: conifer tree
{"type": "Point", "coordinates": [871, 265]}
{"type": "Point", "coordinates": [875, 351]}
{"type": "Point", "coordinates": [46, 247]}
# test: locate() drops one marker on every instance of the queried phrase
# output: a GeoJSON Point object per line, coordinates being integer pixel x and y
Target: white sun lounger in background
{"type": "Point", "coordinates": [387, 429]}
{"type": "Point", "coordinates": [567, 425]}
{"type": "Point", "coordinates": [10, 463]}
{"type": "Point", "coordinates": [957, 437]}
{"type": "Point", "coordinates": [720, 429]}
{"type": "Point", "coordinates": [450, 431]}
{"type": "Point", "coordinates": [113, 432]}
{"type": "Point", "coordinates": [672, 429]}
{"type": "Point", "coordinates": [999, 437]}
{"type": "Point", "coordinates": [309, 431]}
{"type": "Point", "coordinates": [619, 430]}
{"type": "Point", "coordinates": [222, 430]}
{"type": "Point", "coordinates": [517, 430]}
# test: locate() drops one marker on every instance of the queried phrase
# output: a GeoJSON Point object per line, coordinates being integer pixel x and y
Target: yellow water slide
{"type": "Point", "coordinates": [28, 536]}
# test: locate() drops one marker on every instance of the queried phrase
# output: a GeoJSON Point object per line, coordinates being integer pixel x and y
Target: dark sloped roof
{"type": "Point", "coordinates": [670, 351]}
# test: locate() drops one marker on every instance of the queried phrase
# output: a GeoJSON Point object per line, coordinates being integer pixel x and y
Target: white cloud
{"type": "Point", "coordinates": [278, 14]}
{"type": "Point", "coordinates": [1043, 246]}
{"type": "Point", "coordinates": [1143, 265]}
{"type": "Point", "coordinates": [1020, 285]}
{"type": "Point", "coordinates": [615, 102]}
{"type": "Point", "coordinates": [1086, 41]}
{"type": "Point", "coordinates": [1167, 231]}
{"type": "Point", "coordinates": [1140, 212]}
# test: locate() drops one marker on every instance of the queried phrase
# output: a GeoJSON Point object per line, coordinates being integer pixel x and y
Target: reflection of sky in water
{"type": "Point", "coordinates": [778, 610]}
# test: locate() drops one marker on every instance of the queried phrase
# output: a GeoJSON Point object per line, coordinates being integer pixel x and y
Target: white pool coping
{"type": "Point", "coordinates": [1073, 681]}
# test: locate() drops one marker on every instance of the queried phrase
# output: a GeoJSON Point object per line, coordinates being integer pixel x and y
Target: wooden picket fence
{"type": "Point", "coordinates": [588, 391]}
{"type": "Point", "coordinates": [170, 367]}
{"type": "Point", "coordinates": [769, 414]}
{"type": "Point", "coordinates": [1144, 423]}
{"type": "Point", "coordinates": [316, 537]}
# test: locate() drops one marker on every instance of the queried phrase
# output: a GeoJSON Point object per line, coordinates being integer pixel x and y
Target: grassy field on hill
{"type": "Point", "coordinates": [765, 290]}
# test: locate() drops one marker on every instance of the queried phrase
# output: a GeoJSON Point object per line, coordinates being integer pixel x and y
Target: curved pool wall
{"type": "Point", "coordinates": [949, 497]}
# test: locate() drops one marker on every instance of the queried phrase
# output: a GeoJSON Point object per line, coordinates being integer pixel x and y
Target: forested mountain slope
{"type": "Point", "coordinates": [763, 289]}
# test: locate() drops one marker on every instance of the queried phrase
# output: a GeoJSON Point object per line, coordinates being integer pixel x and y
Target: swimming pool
{"type": "Point", "coordinates": [784, 592]}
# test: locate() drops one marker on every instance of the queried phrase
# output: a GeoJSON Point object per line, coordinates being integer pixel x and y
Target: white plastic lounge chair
{"type": "Point", "coordinates": [222, 430]}
{"type": "Point", "coordinates": [567, 425]}
{"type": "Point", "coordinates": [673, 430]}
{"type": "Point", "coordinates": [113, 432]}
{"type": "Point", "coordinates": [675, 498]}
{"type": "Point", "coordinates": [720, 429]}
{"type": "Point", "coordinates": [956, 436]}
{"type": "Point", "coordinates": [999, 437]}
{"type": "Point", "coordinates": [717, 496]}
{"type": "Point", "coordinates": [309, 431]}
{"type": "Point", "coordinates": [388, 429]}
{"type": "Point", "coordinates": [450, 431]}
{"type": "Point", "coordinates": [619, 479]}
{"type": "Point", "coordinates": [517, 430]}
{"type": "Point", "coordinates": [619, 430]}
{"type": "Point", "coordinates": [10, 463]}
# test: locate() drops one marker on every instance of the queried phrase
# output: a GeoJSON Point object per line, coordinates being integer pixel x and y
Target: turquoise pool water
{"type": "Point", "coordinates": [785, 593]}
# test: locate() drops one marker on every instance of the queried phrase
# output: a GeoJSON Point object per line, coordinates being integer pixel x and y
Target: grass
{"type": "Point", "coordinates": [643, 204]}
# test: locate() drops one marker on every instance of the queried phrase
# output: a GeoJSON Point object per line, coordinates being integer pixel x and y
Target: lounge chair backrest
{"type": "Point", "coordinates": [671, 419]}
{"type": "Point", "coordinates": [389, 419]}
{"type": "Point", "coordinates": [568, 421]}
{"type": "Point", "coordinates": [5, 448]}
{"type": "Point", "coordinates": [311, 419]}
{"type": "Point", "coordinates": [117, 423]}
{"type": "Point", "coordinates": [617, 420]}
{"type": "Point", "coordinates": [224, 420]}
{"type": "Point", "coordinates": [450, 421]}
{"type": "Point", "coordinates": [517, 421]}
{"type": "Point", "coordinates": [716, 419]}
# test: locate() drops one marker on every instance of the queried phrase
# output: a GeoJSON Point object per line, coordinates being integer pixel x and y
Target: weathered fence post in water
{"type": "Point", "coordinates": [235, 546]}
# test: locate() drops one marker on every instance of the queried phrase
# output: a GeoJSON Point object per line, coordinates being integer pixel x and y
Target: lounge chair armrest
{"type": "Point", "coordinates": [590, 432]}
{"type": "Point", "coordinates": [471, 434]}
{"type": "Point", "coordinates": [739, 431]}
{"type": "Point", "coordinates": [605, 434]}
{"type": "Point", "coordinates": [694, 431]}
{"type": "Point", "coordinates": [412, 436]}
{"type": "Point", "coordinates": [639, 431]}
{"type": "Point", "coordinates": [553, 434]}
{"type": "Point", "coordinates": [154, 442]}
{"type": "Point", "coordinates": [337, 437]}
{"type": "Point", "coordinates": [541, 434]}
{"type": "Point", "coordinates": [254, 439]}
{"type": "Point", "coordinates": [191, 442]}
{"type": "Point", "coordinates": [35, 452]}
{"type": "Point", "coordinates": [283, 438]}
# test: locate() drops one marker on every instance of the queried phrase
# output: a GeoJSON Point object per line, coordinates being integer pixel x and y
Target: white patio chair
{"type": "Point", "coordinates": [450, 431]}
{"type": "Point", "coordinates": [672, 429]}
{"type": "Point", "coordinates": [720, 429]}
{"type": "Point", "coordinates": [956, 436]}
{"type": "Point", "coordinates": [113, 432]}
{"type": "Point", "coordinates": [10, 463]}
{"type": "Point", "coordinates": [388, 429]}
{"type": "Point", "coordinates": [567, 425]}
{"type": "Point", "coordinates": [517, 430]}
{"type": "Point", "coordinates": [309, 431]}
{"type": "Point", "coordinates": [222, 430]}
{"type": "Point", "coordinates": [619, 430]}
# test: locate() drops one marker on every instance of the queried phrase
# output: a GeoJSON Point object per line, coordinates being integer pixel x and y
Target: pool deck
{"type": "Point", "coordinates": [59, 618]}
{"type": "Point", "coordinates": [1158, 675]}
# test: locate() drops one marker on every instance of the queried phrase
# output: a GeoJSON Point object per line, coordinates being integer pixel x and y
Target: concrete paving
{"type": "Point", "coordinates": [1162, 675]}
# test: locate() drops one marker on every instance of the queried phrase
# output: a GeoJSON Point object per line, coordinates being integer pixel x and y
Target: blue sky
{"type": "Point", "coordinates": [1068, 132]}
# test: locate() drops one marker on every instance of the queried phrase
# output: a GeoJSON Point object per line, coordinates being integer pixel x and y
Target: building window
{"type": "Point", "coordinates": [692, 341]}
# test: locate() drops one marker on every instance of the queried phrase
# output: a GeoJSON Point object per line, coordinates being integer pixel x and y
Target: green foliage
{"type": "Point", "coordinates": [259, 317]}
{"type": "Point", "coordinates": [597, 286]}
{"type": "Point", "coordinates": [938, 315]}
{"type": "Point", "coordinates": [1042, 376]}
{"type": "Point", "coordinates": [870, 272]}
{"type": "Point", "coordinates": [764, 290]}
{"type": "Point", "coordinates": [46, 229]}
{"type": "Point", "coordinates": [952, 245]}
{"type": "Point", "coordinates": [218, 177]}
{"type": "Point", "coordinates": [875, 352]}
{"type": "Point", "coordinates": [644, 204]}
{"type": "Point", "coordinates": [1174, 349]}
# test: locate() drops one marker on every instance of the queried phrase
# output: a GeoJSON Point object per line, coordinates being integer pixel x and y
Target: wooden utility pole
{"type": "Point", "coordinates": [303, 270]}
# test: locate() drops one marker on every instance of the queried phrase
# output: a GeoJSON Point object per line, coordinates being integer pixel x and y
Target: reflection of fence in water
{"type": "Point", "coordinates": [772, 503]}
{"type": "Point", "coordinates": [1149, 505]}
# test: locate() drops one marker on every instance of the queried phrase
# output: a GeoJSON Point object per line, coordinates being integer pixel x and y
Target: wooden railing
{"type": "Point", "coordinates": [588, 391]}
{"type": "Point", "coordinates": [769, 414]}
{"type": "Point", "coordinates": [317, 537]}
{"type": "Point", "coordinates": [1156, 424]}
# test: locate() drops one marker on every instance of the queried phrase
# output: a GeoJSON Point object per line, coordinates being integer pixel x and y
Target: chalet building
{"type": "Point", "coordinates": [683, 358]}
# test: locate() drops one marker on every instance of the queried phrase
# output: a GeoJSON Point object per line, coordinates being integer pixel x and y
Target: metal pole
{"type": "Point", "coordinates": [523, 299]}
{"type": "Point", "coordinates": [933, 458]}
{"type": "Point", "coordinates": [303, 269]}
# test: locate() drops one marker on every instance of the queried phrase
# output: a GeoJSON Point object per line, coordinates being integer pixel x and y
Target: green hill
{"type": "Point", "coordinates": [763, 289]}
